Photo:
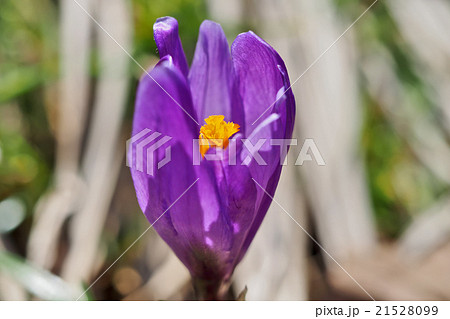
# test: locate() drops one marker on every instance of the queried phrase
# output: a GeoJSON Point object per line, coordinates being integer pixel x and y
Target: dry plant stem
{"type": "Point", "coordinates": [211, 290]}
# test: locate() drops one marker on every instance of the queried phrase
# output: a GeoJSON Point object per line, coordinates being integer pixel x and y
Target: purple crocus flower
{"type": "Point", "coordinates": [213, 209]}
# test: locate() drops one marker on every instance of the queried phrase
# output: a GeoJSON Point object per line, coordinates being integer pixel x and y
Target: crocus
{"type": "Point", "coordinates": [213, 209]}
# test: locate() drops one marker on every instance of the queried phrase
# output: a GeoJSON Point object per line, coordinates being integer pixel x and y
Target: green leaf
{"type": "Point", "coordinates": [37, 281]}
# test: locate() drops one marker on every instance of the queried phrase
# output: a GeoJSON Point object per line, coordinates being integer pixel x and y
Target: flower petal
{"type": "Point", "coordinates": [240, 194]}
{"type": "Point", "coordinates": [211, 76]}
{"type": "Point", "coordinates": [194, 224]}
{"type": "Point", "coordinates": [163, 103]}
{"type": "Point", "coordinates": [261, 74]}
{"type": "Point", "coordinates": [165, 31]}
{"type": "Point", "coordinates": [269, 107]}
{"type": "Point", "coordinates": [264, 204]}
{"type": "Point", "coordinates": [205, 227]}
{"type": "Point", "coordinates": [237, 197]}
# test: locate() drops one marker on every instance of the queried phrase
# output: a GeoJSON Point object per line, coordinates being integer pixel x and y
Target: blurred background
{"type": "Point", "coordinates": [377, 105]}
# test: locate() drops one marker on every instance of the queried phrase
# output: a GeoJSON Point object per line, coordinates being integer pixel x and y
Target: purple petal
{"type": "Point", "coordinates": [238, 197]}
{"type": "Point", "coordinates": [261, 211]}
{"type": "Point", "coordinates": [202, 238]}
{"type": "Point", "coordinates": [211, 76]}
{"type": "Point", "coordinates": [269, 113]}
{"type": "Point", "coordinates": [160, 98]}
{"type": "Point", "coordinates": [209, 235]}
{"type": "Point", "coordinates": [165, 31]}
{"type": "Point", "coordinates": [261, 75]}
{"type": "Point", "coordinates": [194, 224]}
{"type": "Point", "coordinates": [268, 102]}
{"type": "Point", "coordinates": [240, 194]}
{"type": "Point", "coordinates": [164, 105]}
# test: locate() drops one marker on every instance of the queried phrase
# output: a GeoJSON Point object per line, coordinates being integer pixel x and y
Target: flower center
{"type": "Point", "coordinates": [215, 133]}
